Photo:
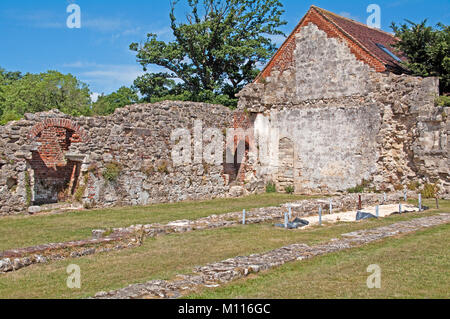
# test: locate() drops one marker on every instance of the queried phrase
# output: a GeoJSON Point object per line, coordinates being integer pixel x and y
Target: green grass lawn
{"type": "Point", "coordinates": [24, 231]}
{"type": "Point", "coordinates": [167, 256]}
{"type": "Point", "coordinates": [414, 266]}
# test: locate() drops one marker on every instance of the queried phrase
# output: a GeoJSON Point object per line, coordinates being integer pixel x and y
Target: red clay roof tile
{"type": "Point", "coordinates": [367, 37]}
{"type": "Point", "coordinates": [355, 33]}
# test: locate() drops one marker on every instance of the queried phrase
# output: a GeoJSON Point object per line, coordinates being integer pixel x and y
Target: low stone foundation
{"type": "Point", "coordinates": [223, 272]}
{"type": "Point", "coordinates": [133, 236]}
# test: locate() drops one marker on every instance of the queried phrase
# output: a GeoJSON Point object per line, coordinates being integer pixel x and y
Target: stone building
{"type": "Point", "coordinates": [336, 103]}
{"type": "Point", "coordinates": [332, 109]}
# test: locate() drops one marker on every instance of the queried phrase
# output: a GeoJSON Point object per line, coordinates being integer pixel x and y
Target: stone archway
{"type": "Point", "coordinates": [285, 164]}
{"type": "Point", "coordinates": [55, 174]}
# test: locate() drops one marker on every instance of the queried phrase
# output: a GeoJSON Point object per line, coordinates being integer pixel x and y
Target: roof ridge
{"type": "Point", "coordinates": [352, 38]}
{"type": "Point", "coordinates": [331, 18]}
{"type": "Point", "coordinates": [354, 21]}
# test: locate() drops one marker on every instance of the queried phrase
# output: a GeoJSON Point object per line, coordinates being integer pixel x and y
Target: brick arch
{"type": "Point", "coordinates": [79, 136]}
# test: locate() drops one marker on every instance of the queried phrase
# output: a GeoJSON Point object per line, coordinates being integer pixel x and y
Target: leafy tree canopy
{"type": "Point", "coordinates": [33, 93]}
{"type": "Point", "coordinates": [107, 104]}
{"type": "Point", "coordinates": [157, 85]}
{"type": "Point", "coordinates": [215, 51]}
{"type": "Point", "coordinates": [7, 77]}
{"type": "Point", "coordinates": [427, 49]}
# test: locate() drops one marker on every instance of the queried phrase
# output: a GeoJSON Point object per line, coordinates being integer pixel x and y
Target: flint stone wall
{"type": "Point", "coordinates": [347, 122]}
{"type": "Point", "coordinates": [135, 139]}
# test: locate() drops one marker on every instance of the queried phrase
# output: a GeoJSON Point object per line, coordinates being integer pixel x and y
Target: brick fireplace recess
{"type": "Point", "coordinates": [55, 172]}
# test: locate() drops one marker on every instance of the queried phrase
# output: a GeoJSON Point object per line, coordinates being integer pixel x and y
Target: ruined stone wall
{"type": "Point", "coordinates": [346, 122]}
{"type": "Point", "coordinates": [121, 159]}
{"type": "Point", "coordinates": [330, 149]}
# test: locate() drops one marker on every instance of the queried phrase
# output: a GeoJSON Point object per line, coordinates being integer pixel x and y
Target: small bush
{"type": "Point", "coordinates": [64, 194]}
{"type": "Point", "coordinates": [398, 187]}
{"type": "Point", "coordinates": [163, 167]}
{"type": "Point", "coordinates": [443, 101]}
{"type": "Point", "coordinates": [28, 189]}
{"type": "Point", "coordinates": [148, 170]}
{"type": "Point", "coordinates": [271, 187]}
{"type": "Point", "coordinates": [112, 171]}
{"type": "Point", "coordinates": [79, 193]}
{"type": "Point", "coordinates": [11, 183]}
{"type": "Point", "coordinates": [93, 169]}
{"type": "Point", "coordinates": [374, 190]}
{"type": "Point", "coordinates": [89, 205]}
{"type": "Point", "coordinates": [359, 188]}
{"type": "Point", "coordinates": [413, 186]}
{"type": "Point", "coordinates": [108, 232]}
{"type": "Point", "coordinates": [355, 190]}
{"type": "Point", "coordinates": [289, 189]}
{"type": "Point", "coordinates": [430, 191]}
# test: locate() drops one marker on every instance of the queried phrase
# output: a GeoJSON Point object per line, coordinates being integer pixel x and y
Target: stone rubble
{"type": "Point", "coordinates": [215, 274]}
{"type": "Point", "coordinates": [16, 259]}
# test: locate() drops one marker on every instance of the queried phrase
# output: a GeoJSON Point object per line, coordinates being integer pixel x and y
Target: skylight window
{"type": "Point", "coordinates": [382, 47]}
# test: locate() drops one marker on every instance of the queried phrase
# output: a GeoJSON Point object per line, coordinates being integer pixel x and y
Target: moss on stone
{"type": "Point", "coordinates": [112, 171]}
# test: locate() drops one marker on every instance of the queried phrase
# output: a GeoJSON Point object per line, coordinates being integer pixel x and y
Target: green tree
{"type": "Point", "coordinates": [107, 104]}
{"type": "Point", "coordinates": [33, 93]}
{"type": "Point", "coordinates": [427, 50]}
{"type": "Point", "coordinates": [217, 49]}
{"type": "Point", "coordinates": [6, 78]}
{"type": "Point", "coordinates": [157, 85]}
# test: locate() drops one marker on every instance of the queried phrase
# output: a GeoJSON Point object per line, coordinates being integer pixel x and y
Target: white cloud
{"type": "Point", "coordinates": [114, 73]}
{"type": "Point", "coordinates": [110, 77]}
{"type": "Point", "coordinates": [38, 19]}
{"type": "Point", "coordinates": [46, 19]}
{"type": "Point", "coordinates": [278, 39]}
{"type": "Point", "coordinates": [127, 32]}
{"type": "Point", "coordinates": [165, 33]}
{"type": "Point", "coordinates": [77, 64]}
{"type": "Point", "coordinates": [105, 24]}
{"type": "Point", "coordinates": [107, 78]}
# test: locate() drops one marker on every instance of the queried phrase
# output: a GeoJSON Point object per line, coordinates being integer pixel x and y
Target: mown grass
{"type": "Point", "coordinates": [24, 231]}
{"type": "Point", "coordinates": [167, 256]}
{"type": "Point", "coordinates": [414, 266]}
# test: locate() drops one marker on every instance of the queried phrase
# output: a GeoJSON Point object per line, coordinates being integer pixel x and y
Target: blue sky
{"type": "Point", "coordinates": [35, 38]}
